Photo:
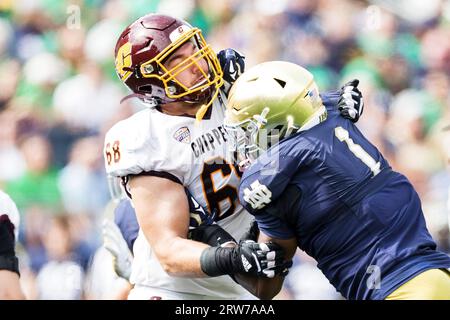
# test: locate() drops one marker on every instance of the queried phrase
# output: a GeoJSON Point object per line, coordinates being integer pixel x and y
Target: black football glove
{"type": "Point", "coordinates": [8, 259]}
{"type": "Point", "coordinates": [260, 259]}
{"type": "Point", "coordinates": [212, 235]}
{"type": "Point", "coordinates": [249, 257]}
{"type": "Point", "coordinates": [351, 103]}
{"type": "Point", "coordinates": [7, 238]}
{"type": "Point", "coordinates": [232, 64]}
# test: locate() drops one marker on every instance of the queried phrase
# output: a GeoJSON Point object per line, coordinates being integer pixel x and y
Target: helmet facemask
{"type": "Point", "coordinates": [251, 137]}
{"type": "Point", "coordinates": [243, 142]}
{"type": "Point", "coordinates": [200, 92]}
{"type": "Point", "coordinates": [147, 43]}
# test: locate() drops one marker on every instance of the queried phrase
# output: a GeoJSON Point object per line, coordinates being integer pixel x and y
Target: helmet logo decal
{"type": "Point", "coordinates": [183, 135]}
{"type": "Point", "coordinates": [123, 60]}
{"type": "Point", "coordinates": [178, 32]}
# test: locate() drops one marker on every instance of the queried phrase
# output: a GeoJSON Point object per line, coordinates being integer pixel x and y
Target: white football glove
{"type": "Point", "coordinates": [351, 103]}
{"type": "Point", "coordinates": [114, 242]}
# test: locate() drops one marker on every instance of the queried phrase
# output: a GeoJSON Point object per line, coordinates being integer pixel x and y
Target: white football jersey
{"type": "Point", "coordinates": [194, 153]}
{"type": "Point", "coordinates": [8, 207]}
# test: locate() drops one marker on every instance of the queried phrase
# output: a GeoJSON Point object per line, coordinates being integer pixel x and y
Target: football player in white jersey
{"type": "Point", "coordinates": [9, 265]}
{"type": "Point", "coordinates": [164, 148]}
{"type": "Point", "coordinates": [159, 150]}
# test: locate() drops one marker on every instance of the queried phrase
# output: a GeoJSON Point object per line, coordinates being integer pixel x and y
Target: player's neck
{"type": "Point", "coordinates": [180, 108]}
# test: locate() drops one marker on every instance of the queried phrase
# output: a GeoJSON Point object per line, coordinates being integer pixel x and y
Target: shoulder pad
{"type": "Point", "coordinates": [124, 146]}
{"type": "Point", "coordinates": [141, 144]}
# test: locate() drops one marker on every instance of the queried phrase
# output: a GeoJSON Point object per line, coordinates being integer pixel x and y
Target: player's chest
{"type": "Point", "coordinates": [197, 142]}
{"type": "Point", "coordinates": [208, 173]}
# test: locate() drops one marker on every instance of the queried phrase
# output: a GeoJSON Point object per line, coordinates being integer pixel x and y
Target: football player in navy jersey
{"type": "Point", "coordinates": [313, 181]}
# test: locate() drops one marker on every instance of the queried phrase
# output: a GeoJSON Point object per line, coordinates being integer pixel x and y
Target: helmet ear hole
{"type": "Point", "coordinates": [146, 88]}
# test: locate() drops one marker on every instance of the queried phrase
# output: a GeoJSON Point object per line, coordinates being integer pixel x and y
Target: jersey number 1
{"type": "Point", "coordinates": [357, 150]}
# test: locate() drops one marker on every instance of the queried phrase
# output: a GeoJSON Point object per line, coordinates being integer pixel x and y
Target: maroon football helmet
{"type": "Point", "coordinates": [145, 45]}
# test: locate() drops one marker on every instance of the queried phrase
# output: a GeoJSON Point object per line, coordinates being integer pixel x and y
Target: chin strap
{"type": "Point", "coordinates": [149, 101]}
{"type": "Point", "coordinates": [153, 102]}
{"type": "Point", "coordinates": [204, 108]}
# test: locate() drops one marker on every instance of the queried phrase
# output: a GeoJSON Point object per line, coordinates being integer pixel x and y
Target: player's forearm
{"type": "Point", "coordinates": [262, 288]}
{"type": "Point", "coordinates": [10, 286]}
{"type": "Point", "coordinates": [181, 257]}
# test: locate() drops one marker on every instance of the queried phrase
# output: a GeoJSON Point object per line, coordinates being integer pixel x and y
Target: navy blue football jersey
{"type": "Point", "coordinates": [332, 190]}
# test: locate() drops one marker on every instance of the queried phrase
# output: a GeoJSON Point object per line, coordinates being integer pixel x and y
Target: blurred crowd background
{"type": "Point", "coordinates": [59, 95]}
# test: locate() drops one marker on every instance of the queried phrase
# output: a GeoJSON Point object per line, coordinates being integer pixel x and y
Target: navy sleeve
{"type": "Point", "coordinates": [268, 177]}
{"type": "Point", "coordinates": [279, 219]}
{"type": "Point", "coordinates": [330, 99]}
{"type": "Point", "coordinates": [273, 226]}
{"type": "Point", "coordinates": [125, 218]}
